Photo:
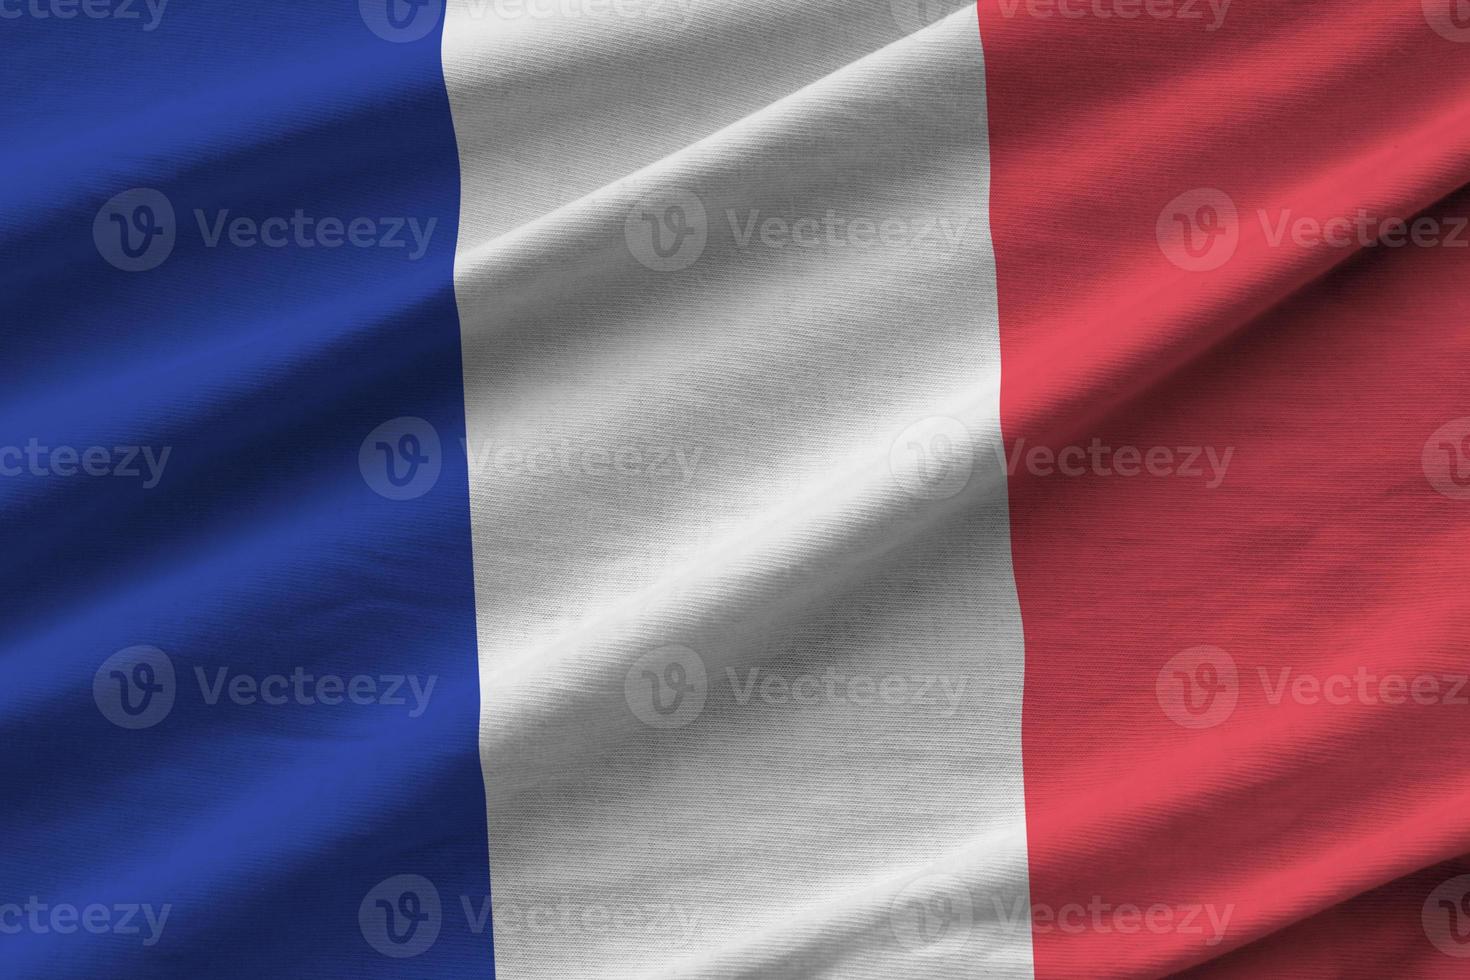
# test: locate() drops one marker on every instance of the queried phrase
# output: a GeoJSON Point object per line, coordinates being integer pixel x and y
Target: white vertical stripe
{"type": "Point", "coordinates": [751, 656]}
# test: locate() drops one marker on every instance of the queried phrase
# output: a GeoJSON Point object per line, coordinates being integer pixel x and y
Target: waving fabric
{"type": "Point", "coordinates": [681, 488]}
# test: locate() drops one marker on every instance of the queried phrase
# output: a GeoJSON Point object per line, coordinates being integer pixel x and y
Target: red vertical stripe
{"type": "Point", "coordinates": [1332, 557]}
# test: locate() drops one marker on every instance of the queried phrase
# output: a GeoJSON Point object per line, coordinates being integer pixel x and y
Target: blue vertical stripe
{"type": "Point", "coordinates": [197, 425]}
